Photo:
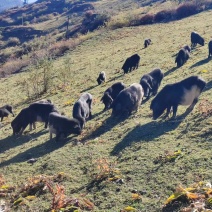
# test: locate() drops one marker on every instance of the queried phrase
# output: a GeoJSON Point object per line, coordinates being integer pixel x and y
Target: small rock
{"type": "Point", "coordinates": [32, 161]}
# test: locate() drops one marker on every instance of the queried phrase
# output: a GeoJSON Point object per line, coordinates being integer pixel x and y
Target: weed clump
{"type": "Point", "coordinates": [186, 9]}
{"type": "Point", "coordinates": [197, 197]}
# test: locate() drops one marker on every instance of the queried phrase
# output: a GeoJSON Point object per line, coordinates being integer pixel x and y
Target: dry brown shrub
{"type": "Point", "coordinates": [205, 108]}
{"type": "Point", "coordinates": [59, 48]}
{"type": "Point", "coordinates": [165, 15]}
{"type": "Point", "coordinates": [13, 66]}
{"type": "Point", "coordinates": [2, 180]}
{"type": "Point", "coordinates": [186, 9]}
{"type": "Point", "coordinates": [89, 13]}
{"type": "Point", "coordinates": [146, 19]}
{"type": "Point", "coordinates": [60, 200]}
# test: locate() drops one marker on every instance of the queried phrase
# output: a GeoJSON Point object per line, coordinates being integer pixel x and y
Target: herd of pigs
{"type": "Point", "coordinates": [120, 98]}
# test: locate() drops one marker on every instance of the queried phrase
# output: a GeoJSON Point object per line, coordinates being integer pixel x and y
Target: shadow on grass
{"type": "Point", "coordinates": [89, 88]}
{"type": "Point", "coordinates": [201, 62]}
{"type": "Point", "coordinates": [145, 100]}
{"type": "Point", "coordinates": [108, 124]}
{"type": "Point", "coordinates": [208, 86]}
{"type": "Point", "coordinates": [94, 86]}
{"type": "Point", "coordinates": [36, 152]}
{"type": "Point", "coordinates": [13, 141]}
{"type": "Point", "coordinates": [97, 114]}
{"type": "Point", "coordinates": [115, 78]}
{"type": "Point", "coordinates": [170, 71]}
{"type": "Point", "coordinates": [148, 132]}
{"type": "Point", "coordinates": [96, 183]}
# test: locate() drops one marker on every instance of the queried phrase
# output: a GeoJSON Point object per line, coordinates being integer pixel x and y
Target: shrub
{"type": "Point", "coordinates": [42, 18]}
{"type": "Point", "coordinates": [56, 32]}
{"type": "Point", "coordinates": [55, 13]}
{"type": "Point", "coordinates": [186, 9]}
{"type": "Point", "coordinates": [60, 47]}
{"type": "Point", "coordinates": [164, 16]}
{"type": "Point", "coordinates": [26, 23]}
{"type": "Point", "coordinates": [89, 13]}
{"type": "Point", "coordinates": [13, 41]}
{"type": "Point", "coordinates": [146, 19]}
{"type": "Point", "coordinates": [118, 22]}
{"type": "Point", "coordinates": [34, 20]}
{"type": "Point", "coordinates": [93, 22]}
{"type": "Point", "coordinates": [39, 79]}
{"type": "Point", "coordinates": [13, 66]}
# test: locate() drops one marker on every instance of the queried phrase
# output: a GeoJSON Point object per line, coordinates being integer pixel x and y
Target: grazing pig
{"type": "Point", "coordinates": [185, 92]}
{"type": "Point", "coordinates": [196, 39]}
{"type": "Point", "coordinates": [147, 42]}
{"type": "Point", "coordinates": [210, 48]}
{"type": "Point", "coordinates": [82, 109]}
{"type": "Point", "coordinates": [111, 93]}
{"type": "Point", "coordinates": [21, 121]}
{"type": "Point", "coordinates": [39, 112]}
{"type": "Point", "coordinates": [131, 63]}
{"type": "Point", "coordinates": [182, 57]}
{"type": "Point", "coordinates": [63, 126]}
{"type": "Point", "coordinates": [101, 78]}
{"type": "Point", "coordinates": [128, 100]}
{"type": "Point", "coordinates": [35, 112]}
{"type": "Point", "coordinates": [150, 82]}
{"type": "Point", "coordinates": [5, 111]}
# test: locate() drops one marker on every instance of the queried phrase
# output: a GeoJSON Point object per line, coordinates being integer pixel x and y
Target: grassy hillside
{"type": "Point", "coordinates": [134, 145]}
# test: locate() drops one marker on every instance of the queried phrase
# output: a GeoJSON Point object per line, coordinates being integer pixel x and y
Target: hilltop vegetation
{"type": "Point", "coordinates": [132, 150]}
{"type": "Point", "coordinates": [43, 28]}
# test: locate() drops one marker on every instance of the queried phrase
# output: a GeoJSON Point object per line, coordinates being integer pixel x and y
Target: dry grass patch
{"type": "Point", "coordinates": [13, 66]}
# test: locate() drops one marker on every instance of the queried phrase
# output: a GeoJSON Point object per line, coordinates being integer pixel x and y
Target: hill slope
{"type": "Point", "coordinates": [131, 145]}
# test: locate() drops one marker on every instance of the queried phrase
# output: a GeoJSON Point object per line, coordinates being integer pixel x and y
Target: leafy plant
{"type": "Point", "coordinates": [61, 201]}
{"type": "Point", "coordinates": [5, 189]}
{"type": "Point", "coordinates": [107, 170]}
{"type": "Point", "coordinates": [128, 209]}
{"type": "Point", "coordinates": [38, 83]}
{"type": "Point", "coordinates": [34, 186]}
{"type": "Point", "coordinates": [199, 196]}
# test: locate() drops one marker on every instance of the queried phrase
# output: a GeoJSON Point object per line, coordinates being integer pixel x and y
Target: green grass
{"type": "Point", "coordinates": [133, 143]}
